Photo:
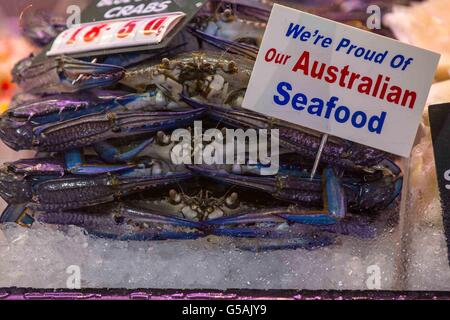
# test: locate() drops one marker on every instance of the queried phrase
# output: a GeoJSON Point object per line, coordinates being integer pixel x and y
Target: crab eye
{"type": "Point", "coordinates": [162, 138]}
{"type": "Point", "coordinates": [227, 15]}
{"type": "Point", "coordinates": [232, 201]}
{"type": "Point", "coordinates": [166, 62]}
{"type": "Point", "coordinates": [156, 168]}
{"type": "Point", "coordinates": [232, 67]}
{"type": "Point", "coordinates": [174, 196]}
{"type": "Point", "coordinates": [236, 169]}
{"type": "Point", "coordinates": [118, 219]}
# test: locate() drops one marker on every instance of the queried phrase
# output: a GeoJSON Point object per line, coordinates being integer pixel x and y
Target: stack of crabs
{"type": "Point", "coordinates": [102, 132]}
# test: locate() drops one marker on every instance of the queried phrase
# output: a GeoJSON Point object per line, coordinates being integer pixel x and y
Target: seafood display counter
{"type": "Point", "coordinates": [101, 178]}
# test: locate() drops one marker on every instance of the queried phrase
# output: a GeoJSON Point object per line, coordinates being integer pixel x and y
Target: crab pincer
{"type": "Point", "coordinates": [82, 191]}
{"type": "Point", "coordinates": [20, 123]}
{"type": "Point", "coordinates": [63, 74]}
{"type": "Point", "coordinates": [331, 193]}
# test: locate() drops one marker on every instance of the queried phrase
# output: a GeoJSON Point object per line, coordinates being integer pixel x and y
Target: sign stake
{"type": "Point", "coordinates": [318, 155]}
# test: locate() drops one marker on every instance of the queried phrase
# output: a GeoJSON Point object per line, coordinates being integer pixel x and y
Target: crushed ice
{"type": "Point", "coordinates": [39, 258]}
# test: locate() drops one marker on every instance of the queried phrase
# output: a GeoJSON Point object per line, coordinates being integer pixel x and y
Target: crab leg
{"type": "Point", "coordinates": [111, 154]}
{"type": "Point", "coordinates": [76, 165]}
{"type": "Point", "coordinates": [260, 216]}
{"type": "Point", "coordinates": [307, 242]}
{"type": "Point", "coordinates": [145, 216]}
{"type": "Point", "coordinates": [228, 45]}
{"type": "Point", "coordinates": [68, 106]}
{"type": "Point", "coordinates": [353, 226]}
{"type": "Point", "coordinates": [334, 207]}
{"type": "Point", "coordinates": [110, 223]}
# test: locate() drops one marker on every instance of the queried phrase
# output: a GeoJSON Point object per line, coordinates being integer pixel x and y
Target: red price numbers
{"type": "Point", "coordinates": [73, 38]}
{"type": "Point", "coordinates": [153, 25]}
{"type": "Point", "coordinates": [92, 34]}
{"type": "Point", "coordinates": [127, 29]}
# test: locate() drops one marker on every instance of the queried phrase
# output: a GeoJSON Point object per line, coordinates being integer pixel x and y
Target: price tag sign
{"type": "Point", "coordinates": [440, 133]}
{"type": "Point", "coordinates": [341, 80]}
{"type": "Point", "coordinates": [117, 26]}
{"type": "Point", "coordinates": [115, 33]}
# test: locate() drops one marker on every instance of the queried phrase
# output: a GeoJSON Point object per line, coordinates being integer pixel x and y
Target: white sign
{"type": "Point", "coordinates": [115, 34]}
{"type": "Point", "coordinates": [340, 80]}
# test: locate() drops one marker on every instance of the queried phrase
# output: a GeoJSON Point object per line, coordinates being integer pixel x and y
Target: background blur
{"type": "Point", "coordinates": [13, 8]}
{"type": "Point", "coordinates": [12, 45]}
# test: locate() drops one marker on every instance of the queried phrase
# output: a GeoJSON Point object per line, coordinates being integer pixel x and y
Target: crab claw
{"type": "Point", "coordinates": [293, 189]}
{"type": "Point", "coordinates": [122, 222]}
{"type": "Point", "coordinates": [63, 74]}
{"type": "Point", "coordinates": [111, 154]}
{"type": "Point", "coordinates": [59, 107]}
{"type": "Point", "coordinates": [376, 195]}
{"type": "Point", "coordinates": [90, 129]}
{"type": "Point", "coordinates": [287, 188]}
{"type": "Point", "coordinates": [334, 208]}
{"type": "Point", "coordinates": [82, 191]}
{"type": "Point", "coordinates": [37, 166]}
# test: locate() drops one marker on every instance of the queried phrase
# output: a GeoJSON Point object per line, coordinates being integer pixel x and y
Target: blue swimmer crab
{"type": "Point", "coordinates": [209, 210]}
{"type": "Point", "coordinates": [199, 79]}
{"type": "Point", "coordinates": [50, 184]}
{"type": "Point", "coordinates": [112, 178]}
